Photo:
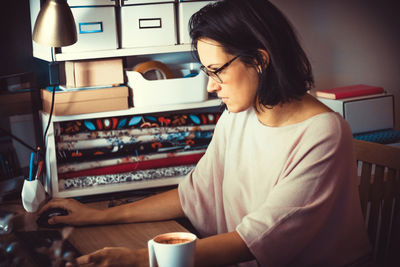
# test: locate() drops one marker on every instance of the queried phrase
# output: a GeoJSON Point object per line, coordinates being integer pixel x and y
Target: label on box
{"type": "Point", "coordinates": [149, 23]}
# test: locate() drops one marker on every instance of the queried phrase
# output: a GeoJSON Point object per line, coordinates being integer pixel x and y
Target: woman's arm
{"type": "Point", "coordinates": [222, 249]}
{"type": "Point", "coordinates": [159, 207]}
{"type": "Point", "coordinates": [162, 206]}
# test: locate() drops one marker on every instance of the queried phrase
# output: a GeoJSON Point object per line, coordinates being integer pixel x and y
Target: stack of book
{"type": "Point", "coordinates": [368, 110]}
{"type": "Point", "coordinates": [130, 148]}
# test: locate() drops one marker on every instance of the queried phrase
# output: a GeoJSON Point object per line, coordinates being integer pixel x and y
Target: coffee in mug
{"type": "Point", "coordinates": [173, 240]}
{"type": "Point", "coordinates": [172, 249]}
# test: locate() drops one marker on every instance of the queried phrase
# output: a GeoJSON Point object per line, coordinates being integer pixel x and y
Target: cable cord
{"type": "Point", "coordinates": [51, 112]}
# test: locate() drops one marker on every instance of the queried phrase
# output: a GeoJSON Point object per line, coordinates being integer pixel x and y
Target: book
{"type": "Point", "coordinates": [349, 91]}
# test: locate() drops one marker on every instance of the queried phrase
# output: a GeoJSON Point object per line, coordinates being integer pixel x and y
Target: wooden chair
{"type": "Point", "coordinates": [379, 189]}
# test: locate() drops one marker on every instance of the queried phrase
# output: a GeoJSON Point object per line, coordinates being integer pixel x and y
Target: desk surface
{"type": "Point", "coordinates": [87, 239]}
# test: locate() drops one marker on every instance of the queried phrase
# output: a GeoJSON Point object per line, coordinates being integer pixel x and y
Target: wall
{"type": "Point", "coordinates": [349, 42]}
{"type": "Point", "coordinates": [16, 42]}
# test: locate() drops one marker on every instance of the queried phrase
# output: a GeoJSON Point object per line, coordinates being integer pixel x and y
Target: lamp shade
{"type": "Point", "coordinates": [55, 25]}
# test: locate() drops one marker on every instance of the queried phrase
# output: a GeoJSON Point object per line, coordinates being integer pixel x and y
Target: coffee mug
{"type": "Point", "coordinates": [172, 249]}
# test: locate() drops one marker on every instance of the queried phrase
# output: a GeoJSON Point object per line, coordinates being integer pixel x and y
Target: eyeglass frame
{"type": "Point", "coordinates": [214, 74]}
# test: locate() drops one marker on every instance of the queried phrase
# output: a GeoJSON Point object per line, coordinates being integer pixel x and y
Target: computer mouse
{"type": "Point", "coordinates": [42, 221]}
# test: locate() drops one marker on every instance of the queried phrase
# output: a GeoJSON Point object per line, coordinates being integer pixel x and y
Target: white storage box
{"type": "Point", "coordinates": [140, 2]}
{"type": "Point", "coordinates": [186, 10]}
{"type": "Point", "coordinates": [170, 91]}
{"type": "Point", "coordinates": [365, 114]}
{"type": "Point", "coordinates": [148, 25]}
{"type": "Point", "coordinates": [96, 28]}
{"type": "Point", "coordinates": [74, 3]}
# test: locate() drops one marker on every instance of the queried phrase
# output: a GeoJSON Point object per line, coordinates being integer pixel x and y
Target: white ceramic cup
{"type": "Point", "coordinates": [32, 195]}
{"type": "Point", "coordinates": [172, 249]}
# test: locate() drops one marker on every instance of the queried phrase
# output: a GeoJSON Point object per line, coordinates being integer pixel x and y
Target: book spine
{"type": "Point", "coordinates": [325, 95]}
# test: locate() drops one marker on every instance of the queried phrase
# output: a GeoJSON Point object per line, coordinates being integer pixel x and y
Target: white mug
{"type": "Point", "coordinates": [172, 249]}
{"type": "Point", "coordinates": [32, 195]}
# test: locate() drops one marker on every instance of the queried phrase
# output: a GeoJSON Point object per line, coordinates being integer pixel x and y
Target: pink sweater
{"type": "Point", "coordinates": [290, 192]}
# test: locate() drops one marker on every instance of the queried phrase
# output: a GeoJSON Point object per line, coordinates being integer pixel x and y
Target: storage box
{"type": "Point", "coordinates": [96, 27]}
{"type": "Point", "coordinates": [186, 10]}
{"type": "Point", "coordinates": [99, 72]}
{"type": "Point", "coordinates": [141, 2]}
{"type": "Point", "coordinates": [148, 25]}
{"type": "Point", "coordinates": [86, 101]}
{"type": "Point", "coordinates": [364, 114]}
{"type": "Point", "coordinates": [170, 91]}
{"type": "Point", "coordinates": [74, 3]}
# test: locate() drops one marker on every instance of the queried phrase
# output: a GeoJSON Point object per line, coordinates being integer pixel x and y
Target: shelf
{"type": "Point", "coordinates": [136, 110]}
{"type": "Point", "coordinates": [52, 182]}
{"type": "Point", "coordinates": [112, 188]}
{"type": "Point", "coordinates": [122, 52]}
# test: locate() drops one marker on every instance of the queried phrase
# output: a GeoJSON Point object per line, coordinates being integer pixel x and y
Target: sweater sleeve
{"type": "Point", "coordinates": [201, 189]}
{"type": "Point", "coordinates": [303, 203]}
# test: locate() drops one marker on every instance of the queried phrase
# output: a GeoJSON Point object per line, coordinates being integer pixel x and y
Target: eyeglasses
{"type": "Point", "coordinates": [214, 74]}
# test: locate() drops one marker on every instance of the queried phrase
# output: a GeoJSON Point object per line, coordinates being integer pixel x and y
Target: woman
{"type": "Point", "coordinates": [277, 184]}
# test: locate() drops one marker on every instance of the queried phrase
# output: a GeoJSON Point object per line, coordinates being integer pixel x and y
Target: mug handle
{"type": "Point", "coordinates": [152, 254]}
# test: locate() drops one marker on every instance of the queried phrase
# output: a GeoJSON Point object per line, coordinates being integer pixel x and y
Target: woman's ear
{"type": "Point", "coordinates": [265, 56]}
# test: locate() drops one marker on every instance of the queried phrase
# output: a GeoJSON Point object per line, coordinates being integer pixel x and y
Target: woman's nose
{"type": "Point", "coordinates": [212, 86]}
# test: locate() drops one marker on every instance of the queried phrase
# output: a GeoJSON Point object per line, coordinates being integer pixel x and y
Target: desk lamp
{"type": "Point", "coordinates": [54, 27]}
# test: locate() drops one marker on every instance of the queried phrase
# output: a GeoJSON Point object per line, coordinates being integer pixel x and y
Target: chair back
{"type": "Point", "coordinates": [379, 190]}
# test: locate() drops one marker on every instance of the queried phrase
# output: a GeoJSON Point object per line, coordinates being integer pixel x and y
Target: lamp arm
{"type": "Point", "coordinates": [37, 149]}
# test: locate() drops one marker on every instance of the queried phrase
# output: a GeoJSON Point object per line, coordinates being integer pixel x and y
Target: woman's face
{"type": "Point", "coordinates": [239, 82]}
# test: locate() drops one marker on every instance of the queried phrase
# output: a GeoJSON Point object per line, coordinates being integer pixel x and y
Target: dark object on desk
{"type": "Point", "coordinates": [11, 187]}
{"type": "Point", "coordinates": [6, 223]}
{"type": "Point", "coordinates": [34, 241]}
{"type": "Point", "coordinates": [42, 221]}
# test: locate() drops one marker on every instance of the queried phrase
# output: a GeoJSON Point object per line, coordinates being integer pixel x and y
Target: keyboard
{"type": "Point", "coordinates": [36, 242]}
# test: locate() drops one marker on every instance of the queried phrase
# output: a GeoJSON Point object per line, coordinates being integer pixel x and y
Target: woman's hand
{"type": "Point", "coordinates": [115, 256]}
{"type": "Point", "coordinates": [78, 213]}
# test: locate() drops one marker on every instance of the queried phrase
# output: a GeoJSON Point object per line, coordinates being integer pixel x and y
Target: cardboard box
{"type": "Point", "coordinates": [88, 73]}
{"type": "Point", "coordinates": [148, 25]}
{"type": "Point", "coordinates": [366, 113]}
{"type": "Point", "coordinates": [86, 101]}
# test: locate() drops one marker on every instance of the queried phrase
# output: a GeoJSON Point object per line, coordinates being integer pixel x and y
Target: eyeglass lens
{"type": "Point", "coordinates": [214, 74]}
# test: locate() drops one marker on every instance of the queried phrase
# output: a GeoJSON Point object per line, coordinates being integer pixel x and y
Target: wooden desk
{"type": "Point", "coordinates": [87, 239]}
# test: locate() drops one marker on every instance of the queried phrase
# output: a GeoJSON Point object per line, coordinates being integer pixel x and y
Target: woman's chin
{"type": "Point", "coordinates": [234, 109]}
